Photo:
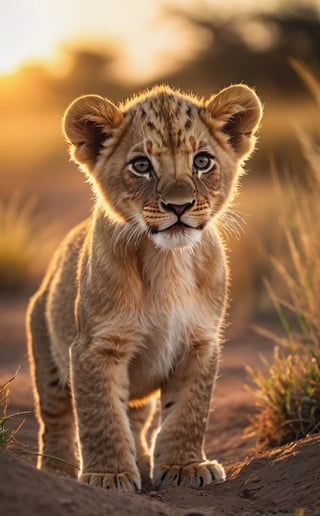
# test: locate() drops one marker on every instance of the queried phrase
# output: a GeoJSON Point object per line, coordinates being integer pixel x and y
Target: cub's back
{"type": "Point", "coordinates": [55, 299]}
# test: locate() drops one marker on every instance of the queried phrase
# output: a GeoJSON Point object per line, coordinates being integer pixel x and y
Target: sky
{"type": "Point", "coordinates": [139, 30]}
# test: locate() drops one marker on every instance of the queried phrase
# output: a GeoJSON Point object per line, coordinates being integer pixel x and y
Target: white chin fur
{"type": "Point", "coordinates": [167, 240]}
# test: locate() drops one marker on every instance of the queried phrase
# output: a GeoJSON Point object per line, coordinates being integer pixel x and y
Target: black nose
{"type": "Point", "coordinates": [178, 209]}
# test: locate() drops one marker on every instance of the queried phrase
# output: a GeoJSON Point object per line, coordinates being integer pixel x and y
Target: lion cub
{"type": "Point", "coordinates": [133, 302]}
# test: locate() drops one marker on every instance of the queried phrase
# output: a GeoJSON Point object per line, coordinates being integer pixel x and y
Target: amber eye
{"type": "Point", "coordinates": [203, 162]}
{"type": "Point", "coordinates": [141, 166]}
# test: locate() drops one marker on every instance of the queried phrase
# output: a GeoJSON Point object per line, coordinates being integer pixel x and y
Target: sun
{"type": "Point", "coordinates": [15, 57]}
{"type": "Point", "coordinates": [25, 33]}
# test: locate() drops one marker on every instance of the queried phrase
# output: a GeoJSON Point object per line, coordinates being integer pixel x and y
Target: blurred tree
{"type": "Point", "coordinates": [89, 71]}
{"type": "Point", "coordinates": [253, 48]}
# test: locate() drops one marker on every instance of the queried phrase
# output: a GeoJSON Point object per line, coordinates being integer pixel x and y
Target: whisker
{"type": "Point", "coordinates": [231, 223]}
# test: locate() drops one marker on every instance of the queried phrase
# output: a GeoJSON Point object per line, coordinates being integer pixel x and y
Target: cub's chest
{"type": "Point", "coordinates": [169, 297]}
{"type": "Point", "coordinates": [166, 338]}
{"type": "Point", "coordinates": [168, 317]}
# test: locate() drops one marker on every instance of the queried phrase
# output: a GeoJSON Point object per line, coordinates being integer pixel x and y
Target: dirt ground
{"type": "Point", "coordinates": [282, 481]}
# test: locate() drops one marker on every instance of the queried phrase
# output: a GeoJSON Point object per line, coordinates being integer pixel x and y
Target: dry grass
{"type": "Point", "coordinates": [288, 398]}
{"type": "Point", "coordinates": [7, 432]}
{"type": "Point", "coordinates": [10, 425]}
{"type": "Point", "coordinates": [24, 242]}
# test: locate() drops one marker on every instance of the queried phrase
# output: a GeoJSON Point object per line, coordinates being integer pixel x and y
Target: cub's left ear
{"type": "Point", "coordinates": [237, 112]}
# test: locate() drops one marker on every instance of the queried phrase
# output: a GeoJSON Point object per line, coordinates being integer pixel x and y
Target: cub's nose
{"type": "Point", "coordinates": [177, 209]}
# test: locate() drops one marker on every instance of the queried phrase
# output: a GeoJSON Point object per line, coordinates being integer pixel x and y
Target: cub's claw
{"type": "Point", "coordinates": [122, 482]}
{"type": "Point", "coordinates": [195, 475]}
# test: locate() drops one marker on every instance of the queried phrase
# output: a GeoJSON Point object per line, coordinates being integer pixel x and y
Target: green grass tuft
{"type": "Point", "coordinates": [288, 398]}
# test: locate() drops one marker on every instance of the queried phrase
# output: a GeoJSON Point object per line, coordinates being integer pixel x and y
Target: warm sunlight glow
{"type": "Point", "coordinates": [25, 33]}
{"type": "Point", "coordinates": [141, 34]}
{"type": "Point", "coordinates": [34, 29]}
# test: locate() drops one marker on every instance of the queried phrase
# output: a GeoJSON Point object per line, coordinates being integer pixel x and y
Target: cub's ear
{"type": "Point", "coordinates": [87, 123]}
{"type": "Point", "coordinates": [237, 112]}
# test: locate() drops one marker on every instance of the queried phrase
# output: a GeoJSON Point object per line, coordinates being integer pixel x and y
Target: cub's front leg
{"type": "Point", "coordinates": [179, 457]}
{"type": "Point", "coordinates": [100, 389]}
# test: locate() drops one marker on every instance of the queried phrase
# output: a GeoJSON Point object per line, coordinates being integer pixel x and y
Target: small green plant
{"type": "Point", "coordinates": [7, 434]}
{"type": "Point", "coordinates": [9, 428]}
{"type": "Point", "coordinates": [23, 241]}
{"type": "Point", "coordinates": [288, 396]}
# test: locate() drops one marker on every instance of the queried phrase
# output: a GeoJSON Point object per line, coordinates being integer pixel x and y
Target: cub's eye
{"type": "Point", "coordinates": [141, 166]}
{"type": "Point", "coordinates": [203, 162]}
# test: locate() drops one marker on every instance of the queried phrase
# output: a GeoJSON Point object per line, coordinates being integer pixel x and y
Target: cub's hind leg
{"type": "Point", "coordinates": [57, 442]}
{"type": "Point", "coordinates": [141, 417]}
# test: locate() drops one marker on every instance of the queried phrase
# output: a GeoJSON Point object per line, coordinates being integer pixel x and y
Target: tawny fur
{"type": "Point", "coordinates": [134, 299]}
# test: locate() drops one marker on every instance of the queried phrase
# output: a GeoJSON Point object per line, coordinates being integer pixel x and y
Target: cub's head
{"type": "Point", "coordinates": [164, 164]}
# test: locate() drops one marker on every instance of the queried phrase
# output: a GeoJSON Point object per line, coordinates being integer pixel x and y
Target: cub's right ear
{"type": "Point", "coordinates": [88, 122]}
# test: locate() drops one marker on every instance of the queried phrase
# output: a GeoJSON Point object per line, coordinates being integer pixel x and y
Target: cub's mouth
{"type": "Point", "coordinates": [176, 228]}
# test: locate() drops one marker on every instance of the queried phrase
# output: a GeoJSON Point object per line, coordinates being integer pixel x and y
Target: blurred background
{"type": "Point", "coordinates": [53, 51]}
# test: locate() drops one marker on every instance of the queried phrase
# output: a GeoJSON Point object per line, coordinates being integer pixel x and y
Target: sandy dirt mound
{"type": "Point", "coordinates": [283, 481]}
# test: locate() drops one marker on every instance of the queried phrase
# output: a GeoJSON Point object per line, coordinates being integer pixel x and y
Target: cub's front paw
{"type": "Point", "coordinates": [196, 474]}
{"type": "Point", "coordinates": [127, 481]}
